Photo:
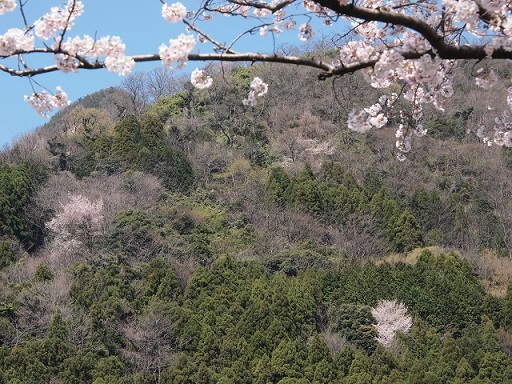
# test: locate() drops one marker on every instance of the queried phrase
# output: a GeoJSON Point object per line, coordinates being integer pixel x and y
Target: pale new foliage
{"type": "Point", "coordinates": [410, 47]}
{"type": "Point", "coordinates": [391, 317]}
{"type": "Point", "coordinates": [80, 219]}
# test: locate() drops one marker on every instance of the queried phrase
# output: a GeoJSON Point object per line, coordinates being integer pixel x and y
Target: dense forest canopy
{"type": "Point", "coordinates": [156, 233]}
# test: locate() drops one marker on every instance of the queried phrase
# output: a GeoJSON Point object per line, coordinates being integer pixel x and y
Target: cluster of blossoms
{"type": "Point", "coordinates": [389, 50]}
{"type": "Point", "coordinates": [258, 90]}
{"type": "Point", "coordinates": [324, 13]}
{"type": "Point", "coordinates": [174, 13]}
{"type": "Point", "coordinates": [112, 48]}
{"type": "Point", "coordinates": [280, 22]}
{"type": "Point", "coordinates": [391, 317]}
{"type": "Point", "coordinates": [200, 80]}
{"type": "Point", "coordinates": [371, 117]}
{"type": "Point", "coordinates": [306, 32]}
{"type": "Point", "coordinates": [15, 40]}
{"type": "Point", "coordinates": [80, 218]}
{"type": "Point", "coordinates": [404, 135]}
{"type": "Point", "coordinates": [7, 6]}
{"type": "Point", "coordinates": [44, 102]}
{"type": "Point", "coordinates": [68, 54]}
{"type": "Point", "coordinates": [58, 19]}
{"type": "Point", "coordinates": [501, 134]}
{"type": "Point", "coordinates": [486, 81]}
{"type": "Point", "coordinates": [356, 52]}
{"type": "Point", "coordinates": [427, 80]}
{"type": "Point", "coordinates": [177, 51]}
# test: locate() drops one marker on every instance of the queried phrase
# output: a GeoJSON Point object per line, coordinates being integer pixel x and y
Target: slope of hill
{"type": "Point", "coordinates": [201, 241]}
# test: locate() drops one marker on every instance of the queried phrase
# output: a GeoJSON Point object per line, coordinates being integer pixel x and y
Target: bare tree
{"type": "Point", "coordinates": [135, 85]}
{"type": "Point", "coordinates": [162, 82]}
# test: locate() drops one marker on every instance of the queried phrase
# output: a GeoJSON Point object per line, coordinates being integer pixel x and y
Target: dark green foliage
{"type": "Point", "coordinates": [442, 289]}
{"type": "Point", "coordinates": [383, 207]}
{"type": "Point", "coordinates": [340, 198]}
{"type": "Point", "coordinates": [182, 371]}
{"type": "Point", "coordinates": [449, 127]}
{"type": "Point", "coordinates": [432, 215]}
{"type": "Point", "coordinates": [156, 156]}
{"type": "Point", "coordinates": [127, 137]}
{"type": "Point", "coordinates": [304, 191]}
{"type": "Point", "coordinates": [37, 361]}
{"type": "Point", "coordinates": [287, 361]}
{"type": "Point", "coordinates": [15, 191]}
{"type": "Point", "coordinates": [404, 233]}
{"type": "Point", "coordinates": [298, 260]}
{"type": "Point", "coordinates": [106, 293]}
{"type": "Point", "coordinates": [133, 234]}
{"type": "Point", "coordinates": [43, 273]}
{"type": "Point", "coordinates": [277, 184]}
{"type": "Point", "coordinates": [170, 106]}
{"type": "Point", "coordinates": [355, 322]}
{"type": "Point", "coordinates": [140, 145]}
{"type": "Point", "coordinates": [170, 165]}
{"type": "Point", "coordinates": [7, 253]}
{"type": "Point", "coordinates": [159, 278]}
{"type": "Point", "coordinates": [237, 323]}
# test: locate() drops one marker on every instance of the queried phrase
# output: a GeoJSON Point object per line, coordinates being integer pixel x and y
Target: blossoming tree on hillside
{"type": "Point", "coordinates": [415, 44]}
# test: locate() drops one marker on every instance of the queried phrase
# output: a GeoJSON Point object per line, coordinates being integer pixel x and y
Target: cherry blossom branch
{"type": "Point", "coordinates": [411, 43]}
{"type": "Point", "coordinates": [273, 7]}
{"type": "Point", "coordinates": [231, 57]}
{"type": "Point", "coordinates": [440, 47]}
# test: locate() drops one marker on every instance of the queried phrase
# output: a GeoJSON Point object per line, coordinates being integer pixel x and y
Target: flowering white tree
{"type": "Point", "coordinates": [79, 220]}
{"type": "Point", "coordinates": [414, 44]}
{"type": "Point", "coordinates": [391, 317]}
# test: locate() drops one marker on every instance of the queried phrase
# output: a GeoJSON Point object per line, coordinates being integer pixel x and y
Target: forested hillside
{"type": "Point", "coordinates": [155, 233]}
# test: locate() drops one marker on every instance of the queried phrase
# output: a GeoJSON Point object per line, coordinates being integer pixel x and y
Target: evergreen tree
{"type": "Point", "coordinates": [15, 192]}
{"type": "Point", "coordinates": [278, 182]}
{"type": "Point", "coordinates": [405, 234]}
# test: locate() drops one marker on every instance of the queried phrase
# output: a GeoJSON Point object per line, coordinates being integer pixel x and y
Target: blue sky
{"type": "Point", "coordinates": [137, 22]}
{"type": "Point", "coordinates": [142, 29]}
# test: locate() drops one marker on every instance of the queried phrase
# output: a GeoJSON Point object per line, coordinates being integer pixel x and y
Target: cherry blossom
{"type": "Point", "coordinates": [487, 81]}
{"type": "Point", "coordinates": [7, 6]}
{"type": "Point", "coordinates": [391, 317]}
{"type": "Point", "coordinates": [410, 45]}
{"type": "Point", "coordinates": [200, 80]}
{"type": "Point", "coordinates": [174, 13]}
{"type": "Point", "coordinates": [258, 90]}
{"type": "Point", "coordinates": [58, 19]}
{"type": "Point", "coordinates": [306, 32]}
{"type": "Point", "coordinates": [44, 102]}
{"type": "Point", "coordinates": [15, 40]}
{"type": "Point", "coordinates": [80, 219]}
{"type": "Point", "coordinates": [177, 51]}
{"type": "Point", "coordinates": [120, 64]}
{"type": "Point", "coordinates": [110, 47]}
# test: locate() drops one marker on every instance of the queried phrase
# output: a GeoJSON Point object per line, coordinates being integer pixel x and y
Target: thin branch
{"type": "Point", "coordinates": [210, 39]}
{"type": "Point", "coordinates": [24, 17]}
